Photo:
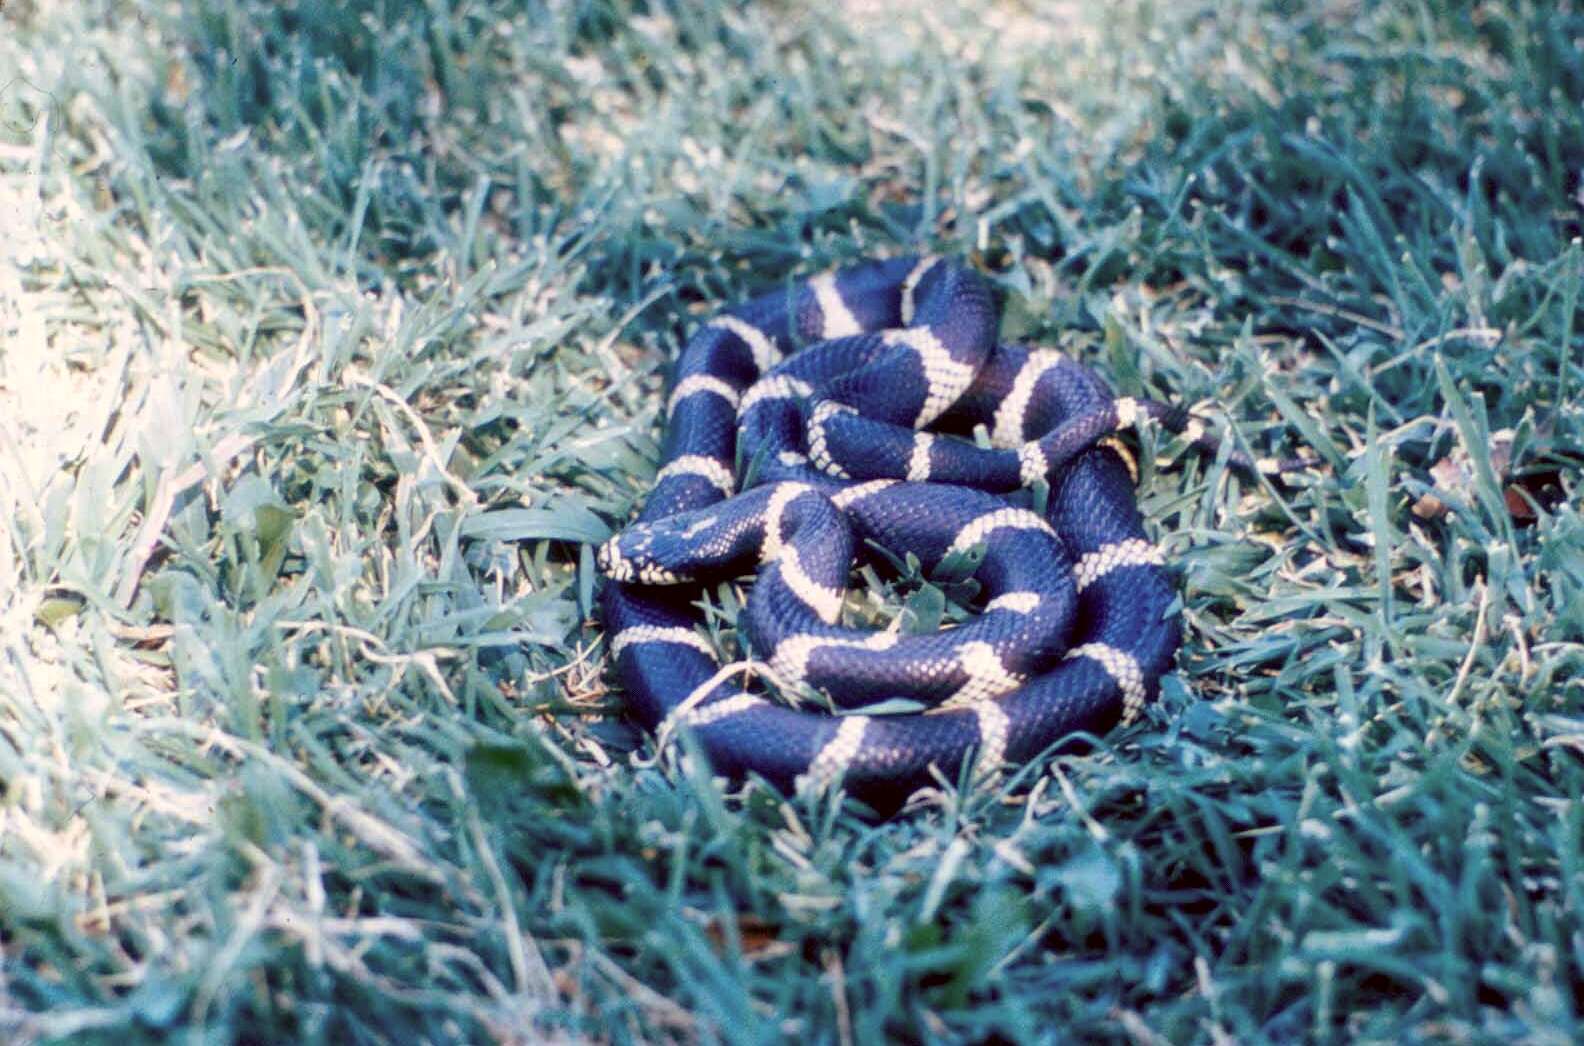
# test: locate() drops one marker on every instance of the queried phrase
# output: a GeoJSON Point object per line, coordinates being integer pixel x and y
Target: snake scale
{"type": "Point", "coordinates": [810, 424]}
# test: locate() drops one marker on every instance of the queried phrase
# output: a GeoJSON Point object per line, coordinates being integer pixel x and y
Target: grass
{"type": "Point", "coordinates": [332, 337]}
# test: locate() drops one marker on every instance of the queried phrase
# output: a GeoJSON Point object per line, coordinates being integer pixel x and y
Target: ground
{"type": "Point", "coordinates": [333, 338]}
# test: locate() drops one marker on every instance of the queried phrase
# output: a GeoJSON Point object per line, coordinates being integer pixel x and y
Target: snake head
{"type": "Point", "coordinates": [630, 557]}
{"type": "Point", "coordinates": [612, 563]}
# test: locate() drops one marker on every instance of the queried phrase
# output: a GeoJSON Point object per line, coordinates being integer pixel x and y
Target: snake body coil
{"type": "Point", "coordinates": [838, 399]}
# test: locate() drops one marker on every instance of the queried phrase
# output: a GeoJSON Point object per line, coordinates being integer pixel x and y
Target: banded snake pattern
{"type": "Point", "coordinates": [845, 402]}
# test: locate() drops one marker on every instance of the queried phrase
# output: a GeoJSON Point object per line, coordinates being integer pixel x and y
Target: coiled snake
{"type": "Point", "coordinates": [837, 400]}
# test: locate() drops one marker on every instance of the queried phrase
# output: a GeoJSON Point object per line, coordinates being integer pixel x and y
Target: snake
{"type": "Point", "coordinates": [871, 415]}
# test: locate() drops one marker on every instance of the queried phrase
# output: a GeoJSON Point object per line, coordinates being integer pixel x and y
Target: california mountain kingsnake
{"type": "Point", "coordinates": [836, 399]}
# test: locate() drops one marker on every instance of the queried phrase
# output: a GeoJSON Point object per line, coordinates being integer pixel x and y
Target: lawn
{"type": "Point", "coordinates": [333, 339]}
